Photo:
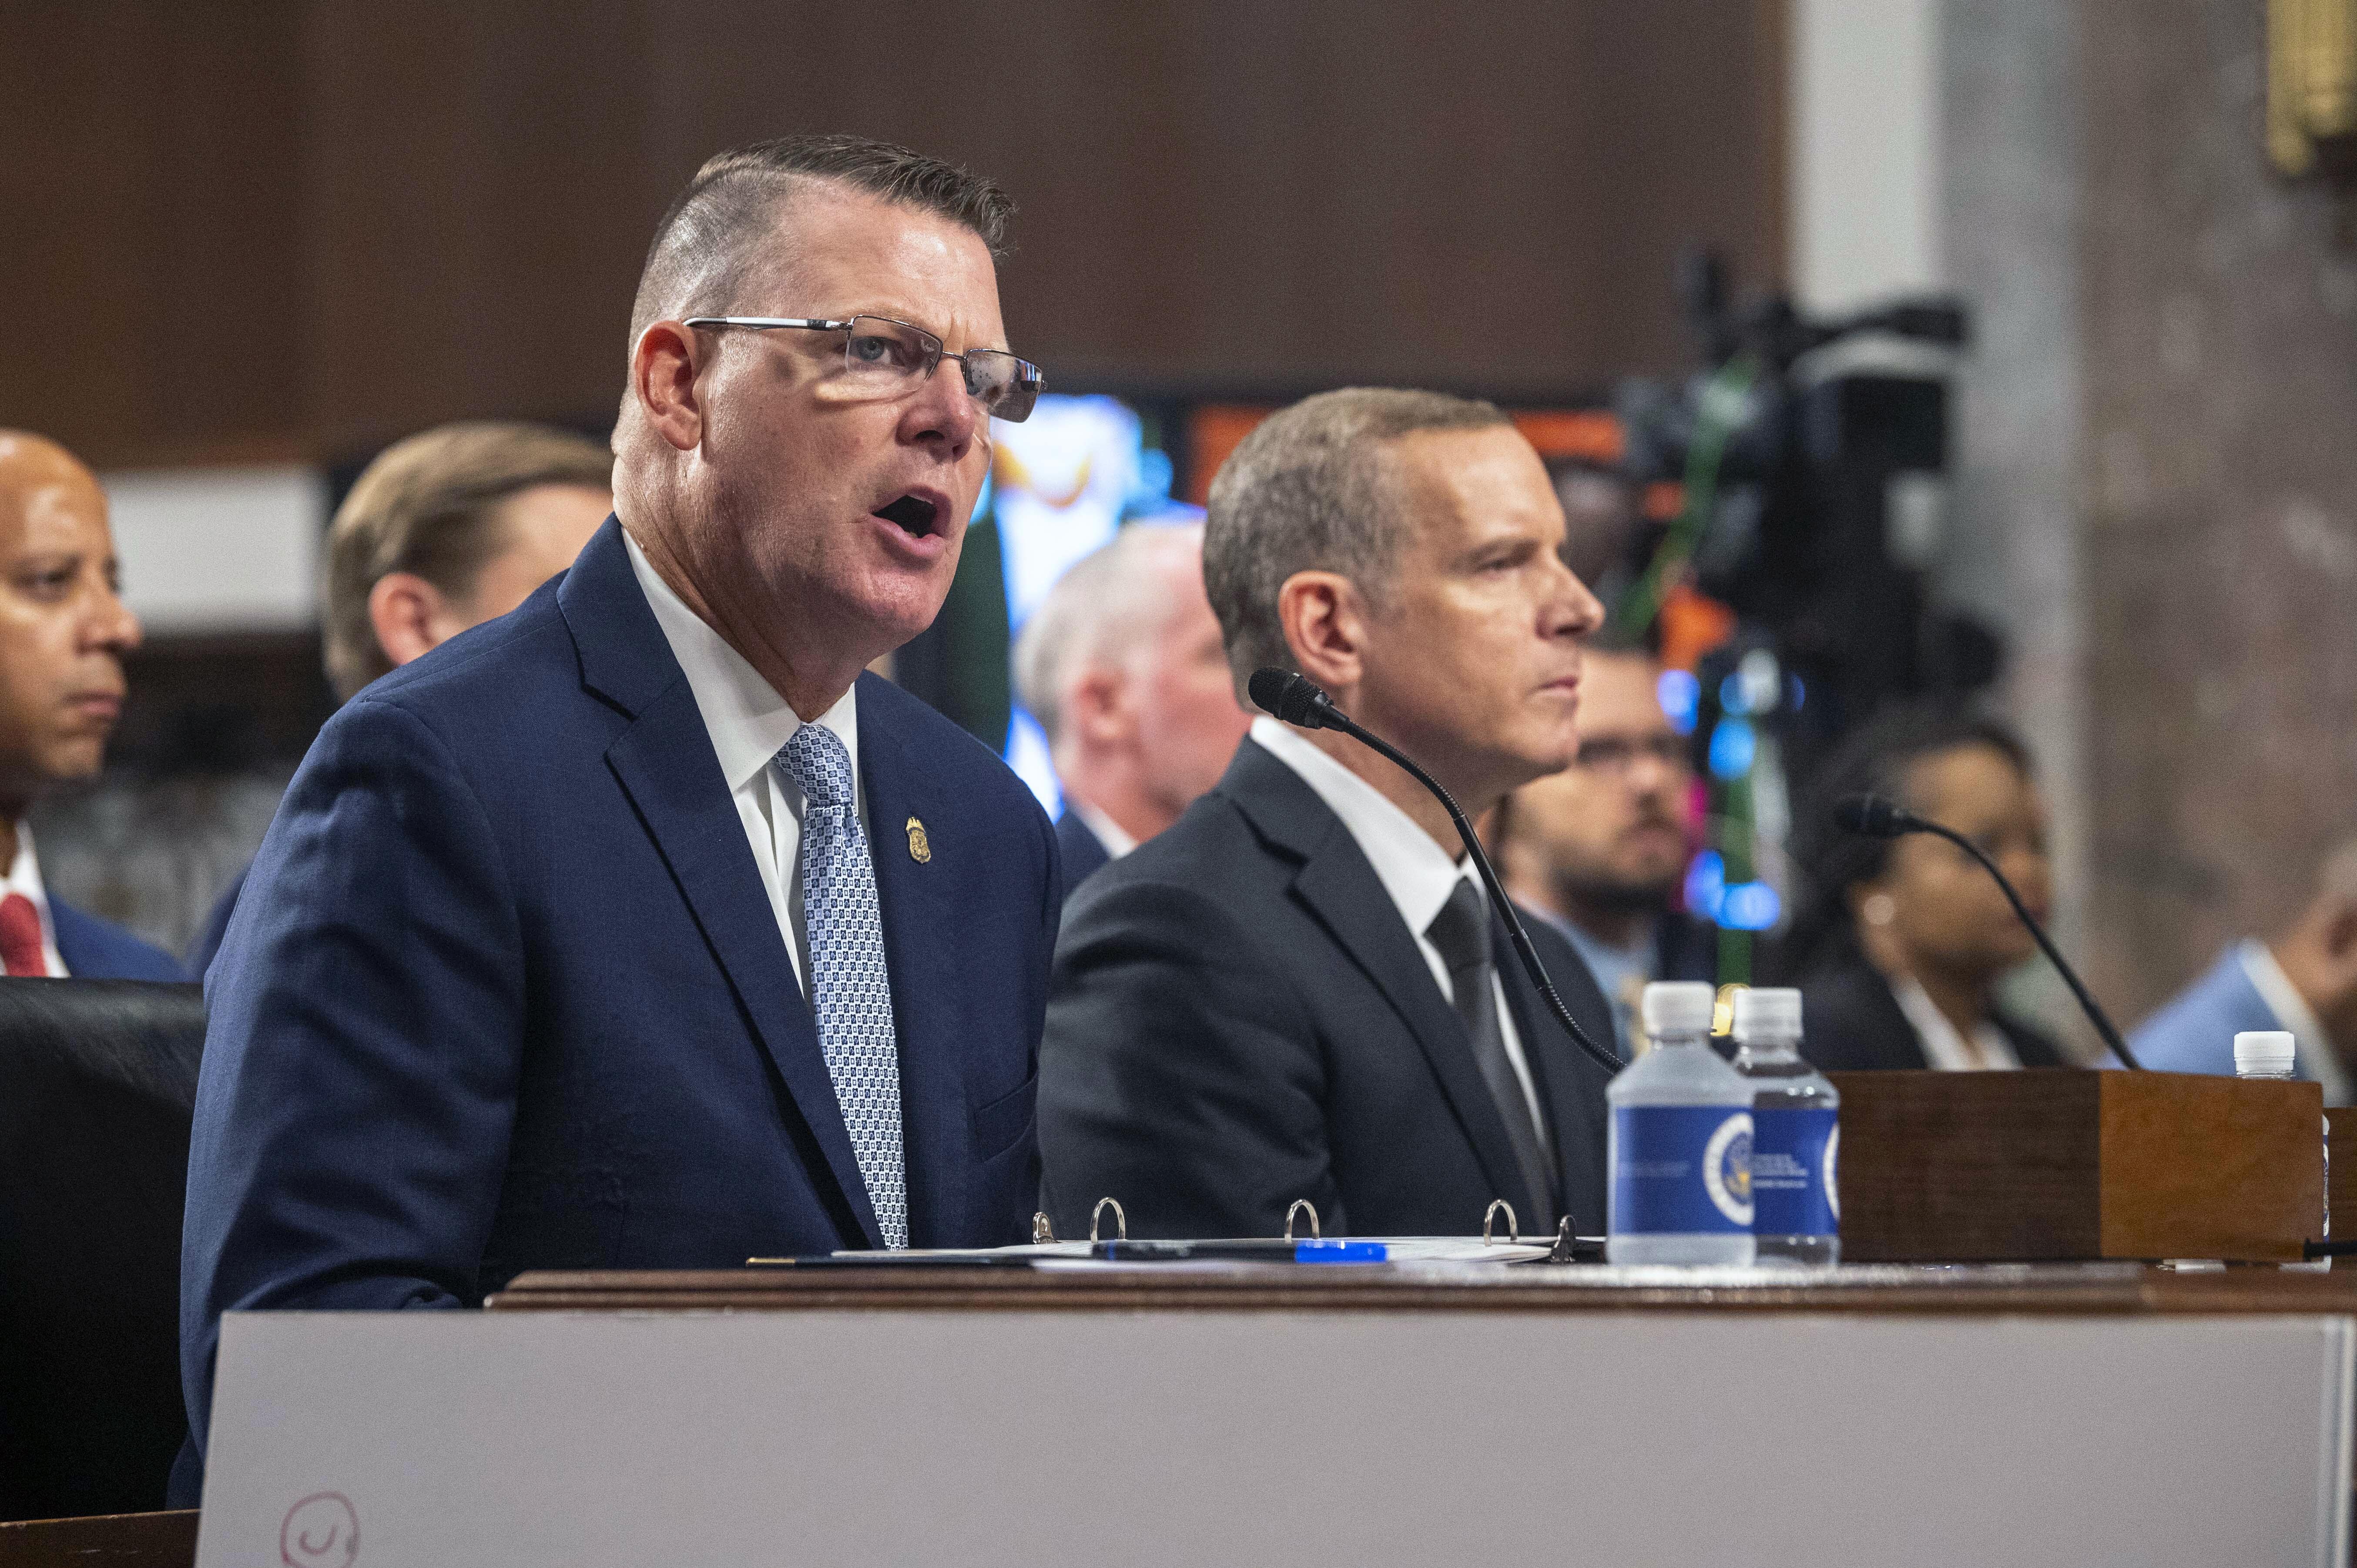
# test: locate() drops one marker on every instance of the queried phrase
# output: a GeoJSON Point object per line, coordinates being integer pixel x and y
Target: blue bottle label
{"type": "Point", "coordinates": [1681, 1170]}
{"type": "Point", "coordinates": [1792, 1158]}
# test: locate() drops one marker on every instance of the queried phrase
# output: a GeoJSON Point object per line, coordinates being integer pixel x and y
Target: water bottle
{"type": "Point", "coordinates": [1795, 1133]}
{"type": "Point", "coordinates": [1680, 1147]}
{"type": "Point", "coordinates": [2270, 1053]}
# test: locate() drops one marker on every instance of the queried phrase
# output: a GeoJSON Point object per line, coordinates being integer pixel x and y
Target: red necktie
{"type": "Point", "coordinates": [20, 936]}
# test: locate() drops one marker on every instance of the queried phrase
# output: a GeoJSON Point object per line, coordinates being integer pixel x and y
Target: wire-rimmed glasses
{"type": "Point", "coordinates": [884, 359]}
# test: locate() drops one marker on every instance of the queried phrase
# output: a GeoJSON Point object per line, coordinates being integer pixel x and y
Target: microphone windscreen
{"type": "Point", "coordinates": [1291, 697]}
{"type": "Point", "coordinates": [1870, 815]}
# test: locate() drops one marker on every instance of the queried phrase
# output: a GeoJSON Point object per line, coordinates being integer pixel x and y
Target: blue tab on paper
{"type": "Point", "coordinates": [1339, 1252]}
{"type": "Point", "coordinates": [1793, 1156]}
{"type": "Point", "coordinates": [1681, 1170]}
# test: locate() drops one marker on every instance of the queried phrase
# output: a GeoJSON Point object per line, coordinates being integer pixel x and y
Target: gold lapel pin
{"type": "Point", "coordinates": [920, 849]}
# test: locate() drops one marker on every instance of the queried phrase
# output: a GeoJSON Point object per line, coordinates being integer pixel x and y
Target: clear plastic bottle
{"type": "Point", "coordinates": [1680, 1159]}
{"type": "Point", "coordinates": [2271, 1053]}
{"type": "Point", "coordinates": [1795, 1133]}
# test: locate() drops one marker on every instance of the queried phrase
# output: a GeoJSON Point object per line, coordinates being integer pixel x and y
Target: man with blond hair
{"type": "Point", "coordinates": [442, 532]}
{"type": "Point", "coordinates": [1123, 667]}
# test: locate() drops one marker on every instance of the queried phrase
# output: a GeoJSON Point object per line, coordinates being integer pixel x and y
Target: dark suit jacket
{"type": "Point", "coordinates": [202, 951]}
{"type": "Point", "coordinates": [1240, 1018]}
{"type": "Point", "coordinates": [505, 991]}
{"type": "Point", "coordinates": [1850, 1020]}
{"type": "Point", "coordinates": [94, 950]}
{"type": "Point", "coordinates": [1083, 851]}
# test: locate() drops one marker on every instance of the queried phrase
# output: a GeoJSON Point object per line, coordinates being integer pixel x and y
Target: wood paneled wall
{"type": "Point", "coordinates": [292, 228]}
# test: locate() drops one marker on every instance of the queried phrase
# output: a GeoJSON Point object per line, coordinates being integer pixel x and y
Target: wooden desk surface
{"type": "Point", "coordinates": [2117, 1289]}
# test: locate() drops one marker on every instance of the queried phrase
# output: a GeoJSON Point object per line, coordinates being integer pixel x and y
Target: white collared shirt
{"type": "Point", "coordinates": [1414, 869]}
{"type": "Point", "coordinates": [1110, 833]}
{"type": "Point", "coordinates": [25, 877]}
{"type": "Point", "coordinates": [2313, 1051]}
{"type": "Point", "coordinates": [748, 722]}
{"type": "Point", "coordinates": [1988, 1050]}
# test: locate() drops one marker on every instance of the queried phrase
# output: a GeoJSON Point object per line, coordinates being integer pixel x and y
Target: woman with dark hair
{"type": "Point", "coordinates": [1899, 943]}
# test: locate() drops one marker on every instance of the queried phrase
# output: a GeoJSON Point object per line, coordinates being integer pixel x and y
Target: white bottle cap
{"type": "Point", "coordinates": [1767, 1013]}
{"type": "Point", "coordinates": [1678, 1007]}
{"type": "Point", "coordinates": [2264, 1051]}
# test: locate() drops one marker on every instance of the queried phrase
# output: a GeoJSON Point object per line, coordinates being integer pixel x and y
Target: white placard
{"type": "Point", "coordinates": [985, 1437]}
{"type": "Point", "coordinates": [219, 549]}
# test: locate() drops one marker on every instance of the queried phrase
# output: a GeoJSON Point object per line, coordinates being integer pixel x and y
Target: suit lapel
{"type": "Point", "coordinates": [920, 955]}
{"type": "Point", "coordinates": [1341, 889]}
{"type": "Point", "coordinates": [665, 762]}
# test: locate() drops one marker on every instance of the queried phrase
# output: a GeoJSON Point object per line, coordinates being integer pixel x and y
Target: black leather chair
{"type": "Point", "coordinates": [97, 1078]}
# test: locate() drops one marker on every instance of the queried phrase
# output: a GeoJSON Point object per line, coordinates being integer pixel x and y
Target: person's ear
{"type": "Point", "coordinates": [408, 614]}
{"type": "Point", "coordinates": [1325, 623]}
{"type": "Point", "coordinates": [1097, 706]}
{"type": "Point", "coordinates": [662, 378]}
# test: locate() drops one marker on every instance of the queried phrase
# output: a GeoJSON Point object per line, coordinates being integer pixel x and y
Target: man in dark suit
{"type": "Point", "coordinates": [63, 633]}
{"type": "Point", "coordinates": [1121, 665]}
{"type": "Point", "coordinates": [1297, 992]}
{"type": "Point", "coordinates": [640, 929]}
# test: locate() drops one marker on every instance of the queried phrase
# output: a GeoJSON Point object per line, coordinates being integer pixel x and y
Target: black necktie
{"type": "Point", "coordinates": [1460, 934]}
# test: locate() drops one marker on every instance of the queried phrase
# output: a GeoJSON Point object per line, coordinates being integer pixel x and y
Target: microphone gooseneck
{"type": "Point", "coordinates": [1297, 700]}
{"type": "Point", "coordinates": [1871, 816]}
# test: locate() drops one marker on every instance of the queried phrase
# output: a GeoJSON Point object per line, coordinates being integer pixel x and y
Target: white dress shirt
{"type": "Point", "coordinates": [25, 877]}
{"type": "Point", "coordinates": [748, 723]}
{"type": "Point", "coordinates": [1110, 833]}
{"type": "Point", "coordinates": [1412, 866]}
{"type": "Point", "coordinates": [1988, 1049]}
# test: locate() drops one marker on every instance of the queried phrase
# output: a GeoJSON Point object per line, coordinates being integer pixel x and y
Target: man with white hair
{"type": "Point", "coordinates": [1123, 667]}
{"type": "Point", "coordinates": [2304, 982]}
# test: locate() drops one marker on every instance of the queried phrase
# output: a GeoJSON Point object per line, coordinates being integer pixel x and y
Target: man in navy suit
{"type": "Point", "coordinates": [63, 633]}
{"type": "Point", "coordinates": [640, 929]}
{"type": "Point", "coordinates": [2305, 981]}
{"type": "Point", "coordinates": [1123, 666]}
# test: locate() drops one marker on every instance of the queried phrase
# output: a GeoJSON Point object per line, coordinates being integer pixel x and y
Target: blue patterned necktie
{"type": "Point", "coordinates": [847, 983]}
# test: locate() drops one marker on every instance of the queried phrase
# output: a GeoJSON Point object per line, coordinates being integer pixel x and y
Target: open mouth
{"type": "Point", "coordinates": [911, 515]}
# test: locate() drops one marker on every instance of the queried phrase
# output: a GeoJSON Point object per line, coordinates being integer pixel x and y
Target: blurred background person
{"type": "Point", "coordinates": [1600, 849]}
{"type": "Point", "coordinates": [1123, 667]}
{"type": "Point", "coordinates": [63, 633]}
{"type": "Point", "coordinates": [445, 529]}
{"type": "Point", "coordinates": [1900, 943]}
{"type": "Point", "coordinates": [2304, 981]}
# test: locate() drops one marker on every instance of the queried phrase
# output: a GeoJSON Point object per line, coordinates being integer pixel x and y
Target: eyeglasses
{"type": "Point", "coordinates": [1618, 755]}
{"type": "Point", "coordinates": [884, 359]}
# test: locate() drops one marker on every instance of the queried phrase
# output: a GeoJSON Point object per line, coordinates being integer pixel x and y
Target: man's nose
{"type": "Point", "coordinates": [1571, 610]}
{"type": "Point", "coordinates": [943, 412]}
{"type": "Point", "coordinates": [111, 624]}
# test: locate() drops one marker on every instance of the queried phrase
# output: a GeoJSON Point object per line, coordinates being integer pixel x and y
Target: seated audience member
{"type": "Point", "coordinates": [2304, 981]}
{"type": "Point", "coordinates": [1900, 942]}
{"type": "Point", "coordinates": [443, 530]}
{"type": "Point", "coordinates": [641, 927]}
{"type": "Point", "coordinates": [1297, 989]}
{"type": "Point", "coordinates": [1600, 848]}
{"type": "Point", "coordinates": [63, 633]}
{"type": "Point", "coordinates": [1122, 666]}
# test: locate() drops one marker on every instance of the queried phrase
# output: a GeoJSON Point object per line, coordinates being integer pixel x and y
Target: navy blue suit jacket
{"type": "Point", "coordinates": [1083, 851]}
{"type": "Point", "coordinates": [505, 990]}
{"type": "Point", "coordinates": [95, 951]}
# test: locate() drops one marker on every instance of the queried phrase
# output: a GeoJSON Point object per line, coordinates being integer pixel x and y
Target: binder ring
{"type": "Point", "coordinates": [1120, 1220]}
{"type": "Point", "coordinates": [1042, 1230]}
{"type": "Point", "coordinates": [1299, 1205]}
{"type": "Point", "coordinates": [1489, 1218]}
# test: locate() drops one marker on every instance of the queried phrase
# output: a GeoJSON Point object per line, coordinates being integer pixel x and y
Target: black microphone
{"type": "Point", "coordinates": [1297, 700]}
{"type": "Point", "coordinates": [1871, 816]}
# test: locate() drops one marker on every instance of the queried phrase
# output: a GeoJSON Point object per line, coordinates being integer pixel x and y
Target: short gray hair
{"type": "Point", "coordinates": [1308, 490]}
{"type": "Point", "coordinates": [1104, 600]}
{"type": "Point", "coordinates": [698, 257]}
